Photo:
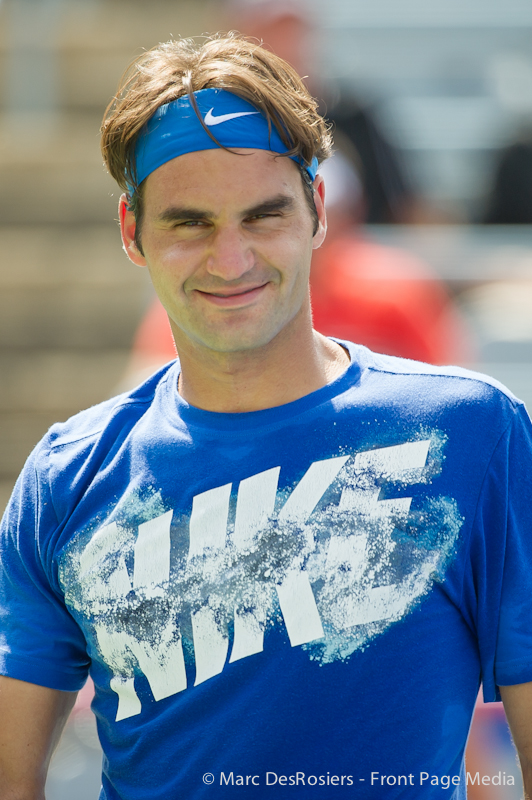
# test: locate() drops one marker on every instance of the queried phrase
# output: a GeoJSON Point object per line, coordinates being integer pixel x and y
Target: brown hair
{"type": "Point", "coordinates": [229, 61]}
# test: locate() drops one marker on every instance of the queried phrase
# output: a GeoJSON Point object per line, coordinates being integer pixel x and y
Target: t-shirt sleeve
{"type": "Point", "coordinates": [499, 580]}
{"type": "Point", "coordinates": [40, 641]}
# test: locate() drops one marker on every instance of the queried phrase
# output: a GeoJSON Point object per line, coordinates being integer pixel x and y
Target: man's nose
{"type": "Point", "coordinates": [231, 255]}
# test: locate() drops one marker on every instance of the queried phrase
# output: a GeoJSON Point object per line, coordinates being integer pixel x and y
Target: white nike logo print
{"type": "Point", "coordinates": [210, 119]}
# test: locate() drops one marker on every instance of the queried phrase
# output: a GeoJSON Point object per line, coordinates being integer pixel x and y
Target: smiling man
{"type": "Point", "coordinates": [286, 562]}
{"type": "Point", "coordinates": [228, 238]}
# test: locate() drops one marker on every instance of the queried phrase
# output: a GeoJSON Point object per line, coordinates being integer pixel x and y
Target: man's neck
{"type": "Point", "coordinates": [289, 367]}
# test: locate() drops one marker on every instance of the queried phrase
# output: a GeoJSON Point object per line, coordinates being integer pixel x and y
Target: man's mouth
{"type": "Point", "coordinates": [235, 297]}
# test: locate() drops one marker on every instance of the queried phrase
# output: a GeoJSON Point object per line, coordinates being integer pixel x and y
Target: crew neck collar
{"type": "Point", "coordinates": [236, 422]}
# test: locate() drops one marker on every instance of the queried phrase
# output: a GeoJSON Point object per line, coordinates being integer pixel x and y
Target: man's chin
{"type": "Point", "coordinates": [236, 342]}
{"type": "Point", "coordinates": [238, 333]}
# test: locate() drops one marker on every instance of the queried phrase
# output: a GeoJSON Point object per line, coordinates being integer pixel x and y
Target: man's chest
{"type": "Point", "coordinates": [178, 592]}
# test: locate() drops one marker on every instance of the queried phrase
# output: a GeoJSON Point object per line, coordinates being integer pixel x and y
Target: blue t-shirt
{"type": "Point", "coordinates": [300, 600]}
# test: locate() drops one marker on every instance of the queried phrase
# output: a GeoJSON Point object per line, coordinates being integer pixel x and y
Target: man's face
{"type": "Point", "coordinates": [228, 241]}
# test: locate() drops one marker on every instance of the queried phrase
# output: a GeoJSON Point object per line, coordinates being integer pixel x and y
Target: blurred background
{"type": "Point", "coordinates": [429, 194]}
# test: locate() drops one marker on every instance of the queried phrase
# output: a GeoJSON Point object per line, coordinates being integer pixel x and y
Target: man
{"type": "Point", "coordinates": [286, 561]}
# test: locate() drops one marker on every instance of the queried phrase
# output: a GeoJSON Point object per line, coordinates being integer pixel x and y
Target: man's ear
{"type": "Point", "coordinates": [127, 229]}
{"type": "Point", "coordinates": [319, 200]}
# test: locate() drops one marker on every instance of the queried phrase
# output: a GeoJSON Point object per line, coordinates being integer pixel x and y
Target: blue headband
{"type": "Point", "coordinates": [175, 130]}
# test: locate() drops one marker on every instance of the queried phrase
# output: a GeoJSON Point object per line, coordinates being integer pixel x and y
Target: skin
{"type": "Point", "coordinates": [517, 702]}
{"type": "Point", "coordinates": [227, 239]}
{"type": "Point", "coordinates": [32, 720]}
{"type": "Point", "coordinates": [233, 277]}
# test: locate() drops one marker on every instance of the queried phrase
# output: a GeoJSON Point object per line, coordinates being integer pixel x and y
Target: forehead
{"type": "Point", "coordinates": [212, 179]}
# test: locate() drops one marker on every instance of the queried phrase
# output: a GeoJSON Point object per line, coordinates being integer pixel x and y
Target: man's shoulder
{"type": "Point", "coordinates": [454, 394]}
{"type": "Point", "coordinates": [454, 379]}
{"type": "Point", "coordinates": [121, 411]}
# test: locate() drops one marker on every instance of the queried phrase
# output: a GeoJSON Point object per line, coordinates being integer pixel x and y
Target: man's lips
{"type": "Point", "coordinates": [238, 297]}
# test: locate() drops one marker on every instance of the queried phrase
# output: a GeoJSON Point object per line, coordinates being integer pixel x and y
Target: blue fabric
{"type": "Point", "coordinates": [175, 129]}
{"type": "Point", "coordinates": [312, 590]}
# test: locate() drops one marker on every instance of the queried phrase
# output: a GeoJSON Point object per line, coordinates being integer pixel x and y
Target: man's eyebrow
{"type": "Point", "coordinates": [181, 214]}
{"type": "Point", "coordinates": [281, 202]}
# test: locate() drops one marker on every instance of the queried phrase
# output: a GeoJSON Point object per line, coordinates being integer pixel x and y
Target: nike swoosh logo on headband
{"type": "Point", "coordinates": [210, 119]}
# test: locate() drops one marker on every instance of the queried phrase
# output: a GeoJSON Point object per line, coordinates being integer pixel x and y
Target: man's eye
{"type": "Point", "coordinates": [263, 216]}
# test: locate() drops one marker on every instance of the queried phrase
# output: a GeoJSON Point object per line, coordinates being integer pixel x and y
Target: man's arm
{"type": "Point", "coordinates": [518, 706]}
{"type": "Point", "coordinates": [32, 720]}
